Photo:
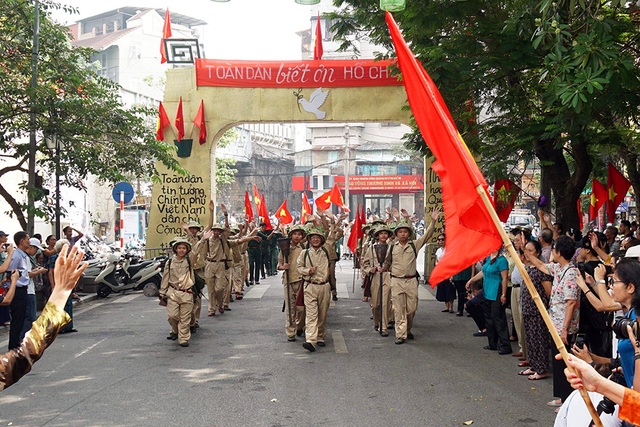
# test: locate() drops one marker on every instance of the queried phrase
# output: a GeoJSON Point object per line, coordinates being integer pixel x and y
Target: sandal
{"type": "Point", "coordinates": [537, 376]}
{"type": "Point", "coordinates": [523, 364]}
{"type": "Point", "coordinates": [365, 299]}
{"type": "Point", "coordinates": [527, 372]}
{"type": "Point", "coordinates": [555, 403]}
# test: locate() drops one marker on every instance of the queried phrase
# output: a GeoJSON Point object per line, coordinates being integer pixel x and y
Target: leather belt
{"type": "Point", "coordinates": [318, 283]}
{"type": "Point", "coordinates": [181, 290]}
{"type": "Point", "coordinates": [215, 260]}
{"type": "Point", "coordinates": [515, 286]}
{"type": "Point", "coordinates": [403, 277]}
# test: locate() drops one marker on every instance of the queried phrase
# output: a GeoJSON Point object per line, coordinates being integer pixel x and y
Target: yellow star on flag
{"type": "Point", "coordinates": [612, 194]}
{"type": "Point", "coordinates": [594, 199]}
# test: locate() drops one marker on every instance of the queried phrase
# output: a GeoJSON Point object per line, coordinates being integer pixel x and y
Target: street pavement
{"type": "Point", "coordinates": [239, 370]}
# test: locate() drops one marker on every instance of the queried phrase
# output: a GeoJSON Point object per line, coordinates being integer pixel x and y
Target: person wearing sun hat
{"type": "Point", "coordinates": [371, 266]}
{"type": "Point", "coordinates": [193, 231]}
{"type": "Point", "coordinates": [294, 325]}
{"type": "Point", "coordinates": [401, 264]}
{"type": "Point", "coordinates": [313, 265]}
{"type": "Point", "coordinates": [177, 288]}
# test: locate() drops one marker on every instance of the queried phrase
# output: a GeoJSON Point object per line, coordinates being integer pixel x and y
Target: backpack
{"type": "Point", "coordinates": [415, 253]}
{"type": "Point", "coordinates": [198, 282]}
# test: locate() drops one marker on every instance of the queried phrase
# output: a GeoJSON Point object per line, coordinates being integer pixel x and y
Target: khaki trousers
{"type": "Point", "coordinates": [215, 289]}
{"type": "Point", "coordinates": [195, 311]}
{"type": "Point", "coordinates": [297, 313]}
{"type": "Point", "coordinates": [517, 319]}
{"type": "Point", "coordinates": [386, 302]}
{"type": "Point", "coordinates": [238, 278]}
{"type": "Point", "coordinates": [404, 296]}
{"type": "Point", "coordinates": [227, 287]}
{"type": "Point", "coordinates": [316, 301]}
{"type": "Point", "coordinates": [179, 306]}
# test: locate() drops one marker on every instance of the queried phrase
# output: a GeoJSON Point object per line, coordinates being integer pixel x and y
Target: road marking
{"type": "Point", "coordinates": [343, 293]}
{"type": "Point", "coordinates": [86, 350]}
{"type": "Point", "coordinates": [424, 294]}
{"type": "Point", "coordinates": [126, 298]}
{"type": "Point", "coordinates": [257, 291]}
{"type": "Point", "coordinates": [338, 342]}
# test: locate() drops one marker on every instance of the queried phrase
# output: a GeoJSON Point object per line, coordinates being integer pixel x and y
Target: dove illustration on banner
{"type": "Point", "coordinates": [314, 103]}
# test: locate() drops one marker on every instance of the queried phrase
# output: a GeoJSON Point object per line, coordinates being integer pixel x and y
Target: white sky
{"type": "Point", "coordinates": [238, 29]}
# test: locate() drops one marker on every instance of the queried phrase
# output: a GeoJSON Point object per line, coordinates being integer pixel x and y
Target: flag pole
{"type": "Point", "coordinates": [536, 298]}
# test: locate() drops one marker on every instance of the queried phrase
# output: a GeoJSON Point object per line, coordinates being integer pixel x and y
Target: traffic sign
{"type": "Point", "coordinates": [128, 192]}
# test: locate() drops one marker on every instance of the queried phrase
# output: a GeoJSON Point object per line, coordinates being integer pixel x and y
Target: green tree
{"type": "Point", "coordinates": [524, 79]}
{"type": "Point", "coordinates": [100, 135]}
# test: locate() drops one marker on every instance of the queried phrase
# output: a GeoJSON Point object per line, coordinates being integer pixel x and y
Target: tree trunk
{"type": "Point", "coordinates": [631, 161]}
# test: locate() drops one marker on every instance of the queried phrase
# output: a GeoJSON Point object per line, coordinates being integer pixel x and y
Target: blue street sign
{"type": "Point", "coordinates": [128, 192]}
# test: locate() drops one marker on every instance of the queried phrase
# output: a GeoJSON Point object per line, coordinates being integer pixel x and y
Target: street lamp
{"type": "Point", "coordinates": [307, 1]}
{"type": "Point", "coordinates": [53, 144]}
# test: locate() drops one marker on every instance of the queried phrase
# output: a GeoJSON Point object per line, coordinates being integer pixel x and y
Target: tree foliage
{"type": "Point", "coordinates": [100, 135]}
{"type": "Point", "coordinates": [552, 80]}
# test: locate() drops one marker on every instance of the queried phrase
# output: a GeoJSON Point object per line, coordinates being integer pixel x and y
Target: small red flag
{"type": "Point", "coordinates": [264, 215]}
{"type": "Point", "coordinates": [256, 198]}
{"type": "Point", "coordinates": [248, 211]}
{"type": "Point", "coordinates": [505, 194]}
{"type": "Point", "coordinates": [166, 33]}
{"type": "Point", "coordinates": [336, 198]}
{"type": "Point", "coordinates": [598, 198]}
{"type": "Point", "coordinates": [324, 201]}
{"type": "Point", "coordinates": [471, 233]}
{"type": "Point", "coordinates": [579, 207]}
{"type": "Point", "coordinates": [363, 221]}
{"type": "Point", "coordinates": [163, 122]}
{"type": "Point", "coordinates": [617, 185]}
{"type": "Point", "coordinates": [356, 232]}
{"type": "Point", "coordinates": [283, 214]}
{"type": "Point", "coordinates": [317, 47]}
{"type": "Point", "coordinates": [199, 121]}
{"type": "Point", "coordinates": [306, 208]}
{"type": "Point", "coordinates": [180, 121]}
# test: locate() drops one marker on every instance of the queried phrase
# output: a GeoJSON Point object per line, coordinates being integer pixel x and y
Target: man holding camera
{"type": "Point", "coordinates": [19, 261]}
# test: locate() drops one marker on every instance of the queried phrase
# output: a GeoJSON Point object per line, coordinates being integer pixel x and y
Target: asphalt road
{"type": "Point", "coordinates": [119, 370]}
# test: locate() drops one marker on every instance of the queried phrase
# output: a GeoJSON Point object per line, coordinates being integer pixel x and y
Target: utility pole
{"type": "Point", "coordinates": [347, 166]}
{"type": "Point", "coordinates": [31, 184]}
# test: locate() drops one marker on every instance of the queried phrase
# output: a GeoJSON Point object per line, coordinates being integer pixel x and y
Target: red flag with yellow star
{"type": "Point", "coordinates": [336, 198]}
{"type": "Point", "coordinates": [598, 198]}
{"type": "Point", "coordinates": [618, 186]}
{"type": "Point", "coordinates": [163, 122]}
{"type": "Point", "coordinates": [505, 194]}
{"type": "Point", "coordinates": [256, 198]}
{"type": "Point", "coordinates": [306, 208]}
{"type": "Point", "coordinates": [283, 214]}
{"type": "Point", "coordinates": [324, 201]}
{"type": "Point", "coordinates": [180, 121]}
{"type": "Point", "coordinates": [264, 214]}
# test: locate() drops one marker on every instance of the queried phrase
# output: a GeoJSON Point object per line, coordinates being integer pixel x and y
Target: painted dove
{"type": "Point", "coordinates": [316, 100]}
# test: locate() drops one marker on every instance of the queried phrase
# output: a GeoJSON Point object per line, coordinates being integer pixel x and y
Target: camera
{"type": "Point", "coordinates": [580, 340]}
{"type": "Point", "coordinates": [7, 275]}
{"type": "Point", "coordinates": [620, 327]}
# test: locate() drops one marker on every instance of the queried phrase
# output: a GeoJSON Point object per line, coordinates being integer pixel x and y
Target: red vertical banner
{"type": "Point", "coordinates": [166, 33]}
{"type": "Point", "coordinates": [318, 51]}
{"type": "Point", "coordinates": [163, 122]}
{"type": "Point", "coordinates": [199, 121]}
{"type": "Point", "coordinates": [248, 210]}
{"type": "Point", "coordinates": [306, 208]}
{"type": "Point", "coordinates": [180, 121]}
{"type": "Point", "coordinates": [264, 214]}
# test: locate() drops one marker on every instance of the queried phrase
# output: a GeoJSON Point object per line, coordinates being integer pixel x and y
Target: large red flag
{"type": "Point", "coordinates": [166, 33]}
{"type": "Point", "coordinates": [505, 193]}
{"type": "Point", "coordinates": [264, 214]}
{"type": "Point", "coordinates": [180, 121]}
{"type": "Point", "coordinates": [471, 233]}
{"type": "Point", "coordinates": [256, 198]}
{"type": "Point", "coordinates": [336, 198]}
{"type": "Point", "coordinates": [618, 186]}
{"type": "Point", "coordinates": [306, 208]}
{"type": "Point", "coordinates": [199, 121]}
{"type": "Point", "coordinates": [317, 47]}
{"type": "Point", "coordinates": [324, 201]}
{"type": "Point", "coordinates": [598, 198]}
{"type": "Point", "coordinates": [356, 232]}
{"type": "Point", "coordinates": [363, 221]}
{"type": "Point", "coordinates": [248, 211]}
{"type": "Point", "coordinates": [163, 122]}
{"type": "Point", "coordinates": [283, 214]}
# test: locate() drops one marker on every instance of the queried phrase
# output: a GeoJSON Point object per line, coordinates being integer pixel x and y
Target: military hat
{"type": "Point", "coordinates": [317, 231]}
{"type": "Point", "coordinates": [377, 222]}
{"type": "Point", "coordinates": [380, 228]}
{"type": "Point", "coordinates": [297, 228]}
{"type": "Point", "coordinates": [175, 242]}
{"type": "Point", "coordinates": [404, 224]}
{"type": "Point", "coordinates": [194, 224]}
{"type": "Point", "coordinates": [217, 227]}
{"type": "Point", "coordinates": [235, 230]}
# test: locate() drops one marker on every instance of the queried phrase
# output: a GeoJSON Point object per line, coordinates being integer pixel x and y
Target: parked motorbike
{"type": "Point", "coordinates": [145, 276]}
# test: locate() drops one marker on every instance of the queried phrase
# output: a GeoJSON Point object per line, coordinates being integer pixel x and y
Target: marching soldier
{"type": "Point", "coordinates": [193, 229]}
{"type": "Point", "coordinates": [313, 265]}
{"type": "Point", "coordinates": [293, 280]}
{"type": "Point", "coordinates": [401, 263]}
{"type": "Point", "coordinates": [177, 289]}
{"type": "Point", "coordinates": [371, 266]}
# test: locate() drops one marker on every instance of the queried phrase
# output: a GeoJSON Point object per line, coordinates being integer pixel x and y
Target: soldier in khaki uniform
{"type": "Point", "coordinates": [401, 263]}
{"type": "Point", "coordinates": [371, 266]}
{"type": "Point", "coordinates": [313, 265]}
{"type": "Point", "coordinates": [239, 268]}
{"type": "Point", "coordinates": [297, 234]}
{"type": "Point", "coordinates": [176, 289]}
{"type": "Point", "coordinates": [193, 229]}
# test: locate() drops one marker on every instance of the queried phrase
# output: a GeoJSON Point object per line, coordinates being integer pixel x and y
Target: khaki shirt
{"type": "Point", "coordinates": [215, 252]}
{"type": "Point", "coordinates": [177, 274]}
{"type": "Point", "coordinates": [370, 260]}
{"type": "Point", "coordinates": [294, 274]}
{"type": "Point", "coordinates": [317, 258]}
{"type": "Point", "coordinates": [334, 235]}
{"type": "Point", "coordinates": [401, 260]}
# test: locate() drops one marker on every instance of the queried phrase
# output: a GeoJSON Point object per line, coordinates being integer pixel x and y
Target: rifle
{"type": "Point", "coordinates": [381, 254]}
{"type": "Point", "coordinates": [285, 246]}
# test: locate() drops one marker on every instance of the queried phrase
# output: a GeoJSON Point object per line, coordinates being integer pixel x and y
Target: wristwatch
{"type": "Point", "coordinates": [602, 282]}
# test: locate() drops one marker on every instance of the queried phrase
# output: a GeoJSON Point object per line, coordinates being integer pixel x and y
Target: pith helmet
{"type": "Point", "coordinates": [178, 240]}
{"type": "Point", "coordinates": [217, 227]}
{"type": "Point", "coordinates": [297, 228]}
{"type": "Point", "coordinates": [194, 224]}
{"type": "Point", "coordinates": [318, 232]}
{"type": "Point", "coordinates": [235, 230]}
{"type": "Point", "coordinates": [382, 228]}
{"type": "Point", "coordinates": [404, 224]}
